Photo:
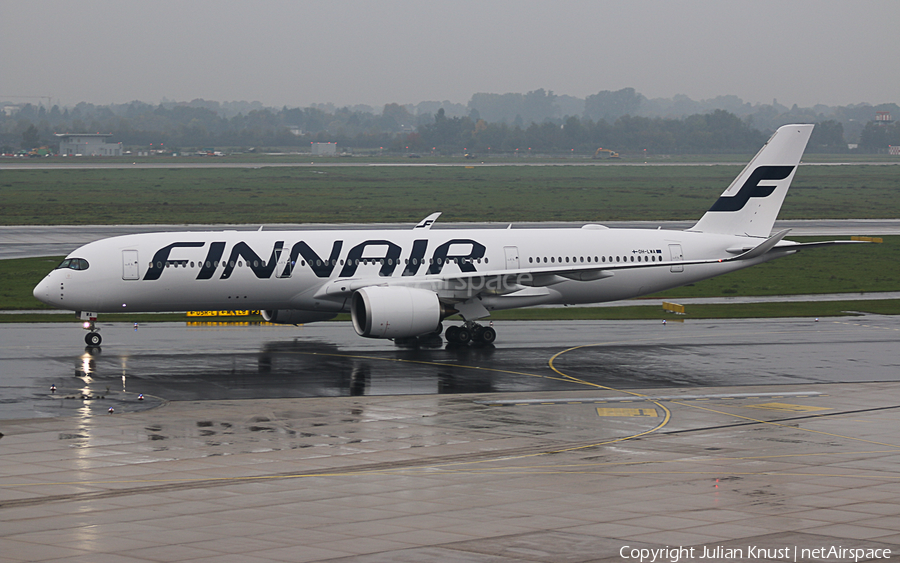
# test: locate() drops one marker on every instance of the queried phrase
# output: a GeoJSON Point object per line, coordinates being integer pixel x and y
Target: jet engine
{"type": "Point", "coordinates": [395, 312]}
{"type": "Point", "coordinates": [295, 316]}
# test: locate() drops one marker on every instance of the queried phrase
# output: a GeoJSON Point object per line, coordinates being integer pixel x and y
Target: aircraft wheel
{"type": "Point", "coordinates": [93, 339]}
{"type": "Point", "coordinates": [463, 336]}
{"type": "Point", "coordinates": [452, 333]}
{"type": "Point", "coordinates": [488, 335]}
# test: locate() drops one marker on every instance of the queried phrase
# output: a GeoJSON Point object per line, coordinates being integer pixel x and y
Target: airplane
{"type": "Point", "coordinates": [401, 284]}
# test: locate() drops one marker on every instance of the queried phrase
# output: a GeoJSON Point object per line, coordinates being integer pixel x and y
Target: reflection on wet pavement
{"type": "Point", "coordinates": [174, 362]}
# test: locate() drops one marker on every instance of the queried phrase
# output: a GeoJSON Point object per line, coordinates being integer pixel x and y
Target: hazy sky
{"type": "Point", "coordinates": [373, 52]}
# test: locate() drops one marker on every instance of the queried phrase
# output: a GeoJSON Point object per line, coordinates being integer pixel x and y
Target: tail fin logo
{"type": "Point", "coordinates": [751, 188]}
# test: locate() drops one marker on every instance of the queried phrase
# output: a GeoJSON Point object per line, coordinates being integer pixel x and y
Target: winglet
{"type": "Point", "coordinates": [763, 247]}
{"type": "Point", "coordinates": [427, 222]}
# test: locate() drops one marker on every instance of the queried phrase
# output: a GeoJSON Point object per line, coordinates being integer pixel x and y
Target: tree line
{"type": "Point", "coordinates": [608, 119]}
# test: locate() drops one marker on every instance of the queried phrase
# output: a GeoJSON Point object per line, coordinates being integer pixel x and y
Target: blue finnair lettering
{"type": "Point", "coordinates": [161, 258]}
{"type": "Point", "coordinates": [416, 258]}
{"type": "Point", "coordinates": [320, 266]}
{"type": "Point", "coordinates": [462, 252]}
{"type": "Point", "coordinates": [441, 255]}
{"type": "Point", "coordinates": [208, 268]}
{"type": "Point", "coordinates": [751, 188]}
{"type": "Point", "coordinates": [388, 262]}
{"type": "Point", "coordinates": [259, 267]}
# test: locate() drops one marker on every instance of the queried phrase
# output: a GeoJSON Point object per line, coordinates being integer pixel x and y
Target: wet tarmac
{"type": "Point", "coordinates": [565, 441]}
{"type": "Point", "coordinates": [203, 361]}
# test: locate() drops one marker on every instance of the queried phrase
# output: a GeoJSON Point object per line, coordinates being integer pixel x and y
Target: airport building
{"type": "Point", "coordinates": [324, 149]}
{"type": "Point", "coordinates": [87, 144]}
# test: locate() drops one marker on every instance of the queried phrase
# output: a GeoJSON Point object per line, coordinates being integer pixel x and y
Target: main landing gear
{"type": "Point", "coordinates": [471, 332]}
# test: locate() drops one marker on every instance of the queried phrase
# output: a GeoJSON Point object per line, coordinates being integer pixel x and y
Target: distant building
{"type": "Point", "coordinates": [894, 151]}
{"type": "Point", "coordinates": [88, 144]}
{"type": "Point", "coordinates": [324, 149]}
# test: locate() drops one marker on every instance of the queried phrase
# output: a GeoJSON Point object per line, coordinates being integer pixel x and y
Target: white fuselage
{"type": "Point", "coordinates": [297, 269]}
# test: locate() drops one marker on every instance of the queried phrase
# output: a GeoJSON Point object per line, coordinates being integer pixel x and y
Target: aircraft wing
{"type": "Point", "coordinates": [465, 285]}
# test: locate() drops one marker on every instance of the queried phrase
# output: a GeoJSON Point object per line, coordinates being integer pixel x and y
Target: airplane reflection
{"type": "Point", "coordinates": [300, 368]}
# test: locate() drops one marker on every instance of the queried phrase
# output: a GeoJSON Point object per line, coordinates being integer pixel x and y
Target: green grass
{"type": "Point", "coordinates": [644, 312]}
{"type": "Point", "coordinates": [407, 194]}
{"type": "Point", "coordinates": [18, 278]}
{"type": "Point", "coordinates": [839, 269]}
{"type": "Point", "coordinates": [729, 311]}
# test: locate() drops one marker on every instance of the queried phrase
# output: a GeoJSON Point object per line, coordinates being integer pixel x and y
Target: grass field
{"type": "Point", "coordinates": [407, 194]}
{"type": "Point", "coordinates": [637, 312]}
{"type": "Point", "coordinates": [497, 193]}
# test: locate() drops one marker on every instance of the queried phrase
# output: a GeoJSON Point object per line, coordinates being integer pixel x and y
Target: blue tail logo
{"type": "Point", "coordinates": [751, 188]}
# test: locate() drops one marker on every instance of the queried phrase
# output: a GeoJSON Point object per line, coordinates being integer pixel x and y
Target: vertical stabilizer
{"type": "Point", "coordinates": [751, 203]}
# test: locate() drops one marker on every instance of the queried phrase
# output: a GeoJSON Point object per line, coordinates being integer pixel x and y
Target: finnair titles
{"type": "Point", "coordinates": [403, 284]}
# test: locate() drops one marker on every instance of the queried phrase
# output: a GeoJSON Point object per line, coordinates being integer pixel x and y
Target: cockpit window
{"type": "Point", "coordinates": [73, 264]}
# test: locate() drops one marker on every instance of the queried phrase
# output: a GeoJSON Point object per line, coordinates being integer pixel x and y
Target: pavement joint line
{"type": "Point", "coordinates": [795, 394]}
{"type": "Point", "coordinates": [776, 423]}
{"type": "Point", "coordinates": [791, 419]}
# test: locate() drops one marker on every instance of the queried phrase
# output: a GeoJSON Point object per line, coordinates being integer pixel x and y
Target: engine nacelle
{"type": "Point", "coordinates": [394, 312]}
{"type": "Point", "coordinates": [295, 316]}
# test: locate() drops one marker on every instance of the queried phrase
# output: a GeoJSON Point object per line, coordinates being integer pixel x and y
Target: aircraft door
{"type": "Point", "coordinates": [130, 265]}
{"type": "Point", "coordinates": [512, 257]}
{"type": "Point", "coordinates": [677, 256]}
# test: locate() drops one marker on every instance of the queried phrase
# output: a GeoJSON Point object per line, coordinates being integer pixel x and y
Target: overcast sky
{"type": "Point", "coordinates": [374, 52]}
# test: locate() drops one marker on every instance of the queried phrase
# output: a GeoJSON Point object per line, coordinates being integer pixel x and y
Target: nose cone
{"type": "Point", "coordinates": [42, 291]}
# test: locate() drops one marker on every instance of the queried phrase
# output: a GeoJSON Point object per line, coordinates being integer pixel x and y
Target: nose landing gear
{"type": "Point", "coordinates": [93, 337]}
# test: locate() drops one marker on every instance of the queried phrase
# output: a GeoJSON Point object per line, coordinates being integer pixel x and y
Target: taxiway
{"type": "Point", "coordinates": [568, 441]}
